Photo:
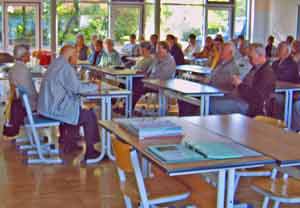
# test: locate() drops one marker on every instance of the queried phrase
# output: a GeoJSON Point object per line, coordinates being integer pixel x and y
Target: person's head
{"type": "Point", "coordinates": [192, 39]}
{"type": "Point", "coordinates": [98, 45]}
{"type": "Point", "coordinates": [219, 37]}
{"type": "Point", "coordinates": [228, 51]}
{"type": "Point", "coordinates": [218, 43]}
{"type": "Point", "coordinates": [296, 50]}
{"type": "Point", "coordinates": [208, 42]}
{"type": "Point", "coordinates": [171, 40]}
{"type": "Point", "coordinates": [154, 39]}
{"type": "Point", "coordinates": [257, 54]}
{"type": "Point", "coordinates": [145, 48]}
{"type": "Point", "coordinates": [94, 38]}
{"type": "Point", "coordinates": [283, 50]}
{"type": "Point", "coordinates": [69, 53]}
{"type": "Point", "coordinates": [241, 41]}
{"type": "Point", "coordinates": [108, 45]}
{"type": "Point", "coordinates": [271, 40]}
{"type": "Point", "coordinates": [132, 38]}
{"type": "Point", "coordinates": [162, 49]}
{"type": "Point", "coordinates": [79, 40]}
{"type": "Point", "coordinates": [289, 39]}
{"type": "Point", "coordinates": [244, 50]}
{"type": "Point", "coordinates": [22, 53]}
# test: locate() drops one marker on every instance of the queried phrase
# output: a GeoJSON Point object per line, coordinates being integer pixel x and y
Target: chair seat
{"type": "Point", "coordinates": [158, 188]}
{"type": "Point", "coordinates": [279, 188]}
{"type": "Point", "coordinates": [42, 121]}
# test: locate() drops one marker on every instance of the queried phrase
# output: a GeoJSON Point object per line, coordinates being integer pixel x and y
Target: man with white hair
{"type": "Point", "coordinates": [59, 98]}
{"type": "Point", "coordinates": [253, 91]}
{"type": "Point", "coordinates": [20, 75]}
{"type": "Point", "coordinates": [110, 56]}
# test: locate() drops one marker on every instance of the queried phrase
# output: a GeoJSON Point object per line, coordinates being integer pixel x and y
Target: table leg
{"type": "Point", "coordinates": [108, 138]}
{"type": "Point", "coordinates": [161, 103]}
{"type": "Point", "coordinates": [103, 134]}
{"type": "Point", "coordinates": [202, 106]}
{"type": "Point", "coordinates": [129, 87]}
{"type": "Point", "coordinates": [286, 107]}
{"type": "Point", "coordinates": [221, 189]}
{"type": "Point", "coordinates": [290, 109]}
{"type": "Point", "coordinates": [207, 104]}
{"type": "Point", "coordinates": [230, 188]}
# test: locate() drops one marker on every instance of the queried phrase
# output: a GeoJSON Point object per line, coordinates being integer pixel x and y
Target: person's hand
{"type": "Point", "coordinates": [236, 80]}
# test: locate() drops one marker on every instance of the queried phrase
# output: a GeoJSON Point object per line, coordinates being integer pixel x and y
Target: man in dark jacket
{"type": "Point", "coordinates": [251, 94]}
{"type": "Point", "coordinates": [285, 68]}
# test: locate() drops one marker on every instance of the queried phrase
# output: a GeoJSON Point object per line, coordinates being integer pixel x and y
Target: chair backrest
{"type": "Point", "coordinates": [122, 154]}
{"type": "Point", "coordinates": [272, 121]}
{"type": "Point", "coordinates": [23, 94]}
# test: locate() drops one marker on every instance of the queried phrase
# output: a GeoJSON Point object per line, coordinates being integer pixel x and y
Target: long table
{"type": "Point", "coordinates": [288, 89]}
{"type": "Point", "coordinates": [105, 95]}
{"type": "Point", "coordinates": [184, 90]}
{"type": "Point", "coordinates": [276, 146]}
{"type": "Point", "coordinates": [194, 69]}
{"type": "Point", "coordinates": [124, 76]}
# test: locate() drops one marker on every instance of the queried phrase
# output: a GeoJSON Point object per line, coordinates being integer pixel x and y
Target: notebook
{"type": "Point", "coordinates": [221, 150]}
{"type": "Point", "coordinates": [174, 153]}
{"type": "Point", "coordinates": [149, 128]}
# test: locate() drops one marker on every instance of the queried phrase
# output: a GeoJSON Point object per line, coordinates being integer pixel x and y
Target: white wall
{"type": "Point", "coordinates": [276, 17]}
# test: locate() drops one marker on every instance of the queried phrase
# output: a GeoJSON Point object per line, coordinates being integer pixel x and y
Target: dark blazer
{"type": "Point", "coordinates": [286, 71]}
{"type": "Point", "coordinates": [177, 54]}
{"type": "Point", "coordinates": [257, 94]}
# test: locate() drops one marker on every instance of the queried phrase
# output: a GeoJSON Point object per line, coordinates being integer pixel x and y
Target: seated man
{"type": "Point", "coordinates": [82, 50]}
{"type": "Point", "coordinates": [222, 77]}
{"type": "Point", "coordinates": [285, 68]}
{"type": "Point", "coordinates": [131, 48]}
{"type": "Point", "coordinates": [110, 56]}
{"type": "Point", "coordinates": [59, 98]}
{"type": "Point", "coordinates": [163, 68]}
{"type": "Point", "coordinates": [250, 94]}
{"type": "Point", "coordinates": [242, 61]}
{"type": "Point", "coordinates": [193, 47]}
{"type": "Point", "coordinates": [20, 75]}
{"type": "Point", "coordinates": [96, 55]}
{"type": "Point", "coordinates": [270, 48]}
{"type": "Point", "coordinates": [153, 41]}
{"type": "Point", "coordinates": [175, 50]}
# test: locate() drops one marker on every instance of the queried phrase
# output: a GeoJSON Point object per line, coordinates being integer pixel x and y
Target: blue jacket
{"type": "Point", "coordinates": [92, 57]}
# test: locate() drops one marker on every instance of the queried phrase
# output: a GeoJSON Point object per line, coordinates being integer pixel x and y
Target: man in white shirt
{"type": "Point", "coordinates": [131, 48]}
{"type": "Point", "coordinates": [193, 47]}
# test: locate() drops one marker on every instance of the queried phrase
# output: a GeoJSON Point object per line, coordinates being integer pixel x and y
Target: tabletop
{"type": "Point", "coordinates": [202, 70]}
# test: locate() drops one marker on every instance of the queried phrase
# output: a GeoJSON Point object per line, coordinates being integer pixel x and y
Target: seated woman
{"type": "Point", "coordinates": [110, 56]}
{"type": "Point", "coordinates": [142, 66]}
{"type": "Point", "coordinates": [175, 49]}
{"type": "Point", "coordinates": [59, 98]}
{"type": "Point", "coordinates": [162, 68]}
{"type": "Point", "coordinates": [96, 55]}
{"type": "Point", "coordinates": [82, 49]}
{"type": "Point", "coordinates": [193, 47]}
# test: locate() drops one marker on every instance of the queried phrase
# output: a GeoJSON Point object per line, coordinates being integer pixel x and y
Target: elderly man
{"type": "Point", "coordinates": [20, 74]}
{"type": "Point", "coordinates": [60, 98]}
{"type": "Point", "coordinates": [131, 48]}
{"type": "Point", "coordinates": [110, 56]}
{"type": "Point", "coordinates": [222, 77]}
{"type": "Point", "coordinates": [285, 67]}
{"type": "Point", "coordinates": [251, 93]}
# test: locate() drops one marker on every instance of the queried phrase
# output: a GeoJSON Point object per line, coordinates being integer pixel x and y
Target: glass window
{"type": "Point", "coordinates": [126, 22]}
{"type": "Point", "coordinates": [241, 23]}
{"type": "Point", "coordinates": [149, 21]}
{"type": "Point", "coordinates": [85, 18]}
{"type": "Point", "coordinates": [181, 20]}
{"type": "Point", "coordinates": [218, 22]}
{"type": "Point", "coordinates": [22, 25]}
{"type": "Point", "coordinates": [46, 24]}
{"type": "Point", "coordinates": [220, 1]}
{"type": "Point", "coordinates": [1, 26]}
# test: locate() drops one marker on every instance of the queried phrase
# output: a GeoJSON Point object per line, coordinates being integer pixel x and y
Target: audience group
{"type": "Point", "coordinates": [246, 71]}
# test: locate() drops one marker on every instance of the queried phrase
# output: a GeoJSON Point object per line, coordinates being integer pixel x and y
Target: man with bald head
{"type": "Point", "coordinates": [59, 98]}
{"type": "Point", "coordinates": [285, 67]}
{"type": "Point", "coordinates": [253, 91]}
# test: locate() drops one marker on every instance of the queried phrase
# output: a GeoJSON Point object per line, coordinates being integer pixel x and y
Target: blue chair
{"type": "Point", "coordinates": [32, 123]}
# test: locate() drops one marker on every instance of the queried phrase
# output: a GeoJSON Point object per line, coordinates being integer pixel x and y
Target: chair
{"type": "Point", "coordinates": [280, 190]}
{"type": "Point", "coordinates": [31, 124]}
{"type": "Point", "coordinates": [260, 171]}
{"type": "Point", "coordinates": [146, 192]}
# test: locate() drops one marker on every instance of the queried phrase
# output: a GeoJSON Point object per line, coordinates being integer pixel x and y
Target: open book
{"type": "Point", "coordinates": [150, 127]}
{"type": "Point", "coordinates": [189, 152]}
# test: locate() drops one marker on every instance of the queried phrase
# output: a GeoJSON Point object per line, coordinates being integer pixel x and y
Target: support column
{"type": "Point", "coordinates": [157, 17]}
{"type": "Point", "coordinates": [53, 27]}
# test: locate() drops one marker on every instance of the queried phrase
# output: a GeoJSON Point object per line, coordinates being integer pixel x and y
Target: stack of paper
{"type": "Point", "coordinates": [148, 128]}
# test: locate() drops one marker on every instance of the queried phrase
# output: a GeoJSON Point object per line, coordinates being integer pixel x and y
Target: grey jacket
{"type": "Point", "coordinates": [162, 69]}
{"type": "Point", "coordinates": [60, 91]}
{"type": "Point", "coordinates": [20, 75]}
{"type": "Point", "coordinates": [221, 76]}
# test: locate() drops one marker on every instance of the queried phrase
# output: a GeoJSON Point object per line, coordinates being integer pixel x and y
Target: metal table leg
{"type": "Point", "coordinates": [207, 104]}
{"type": "Point", "coordinates": [202, 106]}
{"type": "Point", "coordinates": [286, 107]}
{"type": "Point", "coordinates": [161, 103]}
{"type": "Point", "coordinates": [290, 109]}
{"type": "Point", "coordinates": [221, 189]}
{"type": "Point", "coordinates": [230, 188]}
{"type": "Point", "coordinates": [108, 138]}
{"type": "Point", "coordinates": [129, 87]}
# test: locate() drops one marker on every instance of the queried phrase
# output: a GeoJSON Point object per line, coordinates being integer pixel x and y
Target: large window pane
{"type": "Point", "coordinates": [218, 22]}
{"type": "Point", "coordinates": [181, 20]}
{"type": "Point", "coordinates": [126, 22]}
{"type": "Point", "coordinates": [149, 21]}
{"type": "Point", "coordinates": [22, 25]}
{"type": "Point", "coordinates": [241, 23]}
{"type": "Point", "coordinates": [85, 18]}
{"type": "Point", "coordinates": [46, 24]}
